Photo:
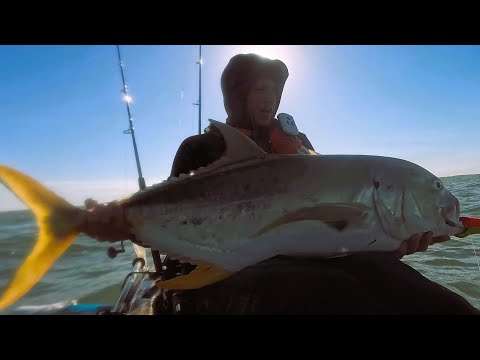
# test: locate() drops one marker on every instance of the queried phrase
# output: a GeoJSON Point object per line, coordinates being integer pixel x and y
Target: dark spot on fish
{"type": "Point", "coordinates": [389, 187]}
{"type": "Point", "coordinates": [220, 217]}
{"type": "Point", "coordinates": [376, 184]}
{"type": "Point", "coordinates": [339, 224]}
{"type": "Point", "coordinates": [196, 221]}
{"type": "Point", "coordinates": [246, 187]}
{"type": "Point", "coordinates": [184, 222]}
{"type": "Point", "coordinates": [372, 242]}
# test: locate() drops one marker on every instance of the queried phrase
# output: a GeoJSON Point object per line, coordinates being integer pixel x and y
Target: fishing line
{"type": "Point", "coordinates": [192, 123]}
{"type": "Point", "coordinates": [181, 109]}
{"type": "Point", "coordinates": [476, 257]}
{"type": "Point", "coordinates": [199, 101]}
{"type": "Point", "coordinates": [125, 175]}
{"type": "Point", "coordinates": [472, 226]}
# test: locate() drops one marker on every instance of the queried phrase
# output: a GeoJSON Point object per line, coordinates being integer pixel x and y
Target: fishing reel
{"type": "Point", "coordinates": [112, 252]}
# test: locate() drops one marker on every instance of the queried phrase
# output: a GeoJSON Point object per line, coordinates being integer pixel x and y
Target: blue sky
{"type": "Point", "coordinates": [63, 112]}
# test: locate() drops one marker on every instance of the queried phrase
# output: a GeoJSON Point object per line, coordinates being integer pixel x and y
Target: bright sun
{"type": "Point", "coordinates": [291, 55]}
{"type": "Point", "coordinates": [270, 51]}
{"type": "Point", "coordinates": [294, 56]}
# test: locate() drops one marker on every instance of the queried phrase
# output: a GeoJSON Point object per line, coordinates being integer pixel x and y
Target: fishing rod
{"type": "Point", "coordinates": [199, 102]}
{"type": "Point", "coordinates": [140, 251]}
{"type": "Point", "coordinates": [130, 130]}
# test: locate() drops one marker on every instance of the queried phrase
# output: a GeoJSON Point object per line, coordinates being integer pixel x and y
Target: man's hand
{"type": "Point", "coordinates": [104, 222]}
{"type": "Point", "coordinates": [419, 242]}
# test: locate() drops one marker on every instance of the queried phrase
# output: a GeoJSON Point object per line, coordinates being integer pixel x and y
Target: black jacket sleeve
{"type": "Point", "coordinates": [197, 151]}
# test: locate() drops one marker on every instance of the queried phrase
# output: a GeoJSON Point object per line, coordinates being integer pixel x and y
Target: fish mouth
{"type": "Point", "coordinates": [452, 211]}
{"type": "Point", "coordinates": [450, 223]}
{"type": "Point", "coordinates": [460, 227]}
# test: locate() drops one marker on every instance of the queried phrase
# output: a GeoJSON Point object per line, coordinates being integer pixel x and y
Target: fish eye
{"type": "Point", "coordinates": [437, 184]}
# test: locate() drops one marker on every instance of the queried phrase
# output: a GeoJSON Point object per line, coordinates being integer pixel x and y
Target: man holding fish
{"type": "Point", "coordinates": [360, 282]}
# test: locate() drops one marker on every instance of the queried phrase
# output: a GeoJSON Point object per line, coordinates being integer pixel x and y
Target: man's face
{"type": "Point", "coordinates": [261, 101]}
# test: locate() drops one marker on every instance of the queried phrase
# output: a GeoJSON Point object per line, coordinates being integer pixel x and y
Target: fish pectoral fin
{"type": "Point", "coordinates": [201, 276]}
{"type": "Point", "coordinates": [336, 215]}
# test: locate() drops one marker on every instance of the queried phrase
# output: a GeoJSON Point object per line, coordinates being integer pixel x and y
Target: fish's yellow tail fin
{"type": "Point", "coordinates": [57, 223]}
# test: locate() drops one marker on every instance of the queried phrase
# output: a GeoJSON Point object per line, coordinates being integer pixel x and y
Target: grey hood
{"type": "Point", "coordinates": [237, 78]}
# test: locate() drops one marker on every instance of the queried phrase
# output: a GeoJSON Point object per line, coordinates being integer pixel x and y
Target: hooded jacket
{"type": "Point", "coordinates": [238, 76]}
{"type": "Point", "coordinates": [236, 79]}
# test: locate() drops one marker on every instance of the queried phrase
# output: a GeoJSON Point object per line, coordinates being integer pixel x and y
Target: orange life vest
{"type": "Point", "coordinates": [281, 142]}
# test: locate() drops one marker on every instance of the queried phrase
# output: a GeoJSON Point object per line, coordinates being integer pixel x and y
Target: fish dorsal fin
{"type": "Point", "coordinates": [238, 145]}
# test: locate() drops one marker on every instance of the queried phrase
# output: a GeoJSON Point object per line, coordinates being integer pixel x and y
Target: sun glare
{"type": "Point", "coordinates": [292, 55]}
{"type": "Point", "coordinates": [269, 51]}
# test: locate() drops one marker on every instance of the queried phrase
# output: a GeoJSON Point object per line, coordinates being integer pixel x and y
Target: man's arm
{"type": "Point", "coordinates": [106, 222]}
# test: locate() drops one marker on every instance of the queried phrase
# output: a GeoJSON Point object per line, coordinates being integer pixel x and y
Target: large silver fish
{"type": "Point", "coordinates": [249, 206]}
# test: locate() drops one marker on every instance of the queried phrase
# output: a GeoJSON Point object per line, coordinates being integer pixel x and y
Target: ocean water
{"type": "Point", "coordinates": [85, 274]}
